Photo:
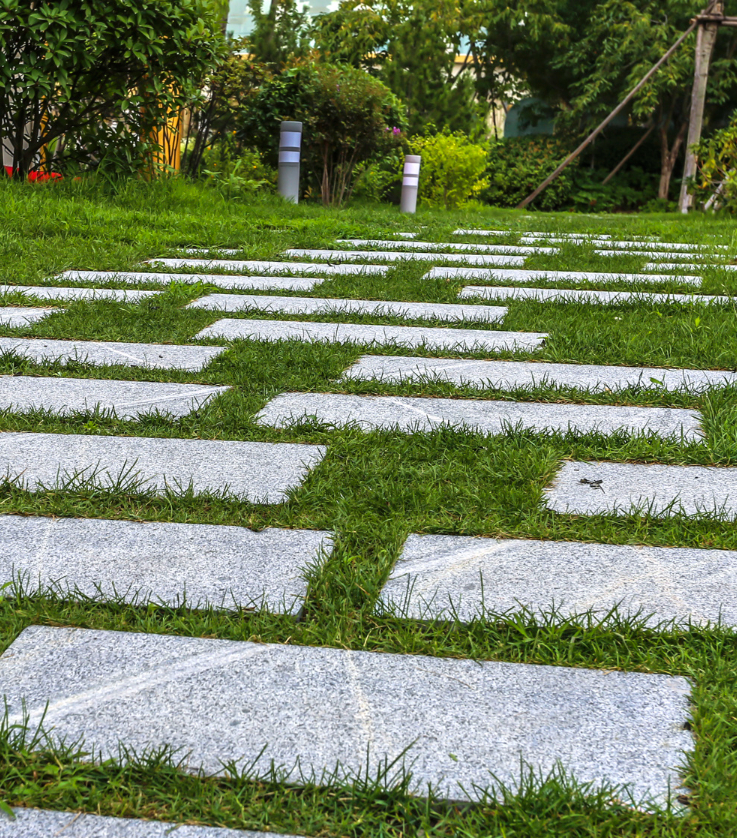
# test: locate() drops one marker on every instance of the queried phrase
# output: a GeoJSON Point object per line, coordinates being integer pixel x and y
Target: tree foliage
{"type": "Point", "coordinates": [280, 34]}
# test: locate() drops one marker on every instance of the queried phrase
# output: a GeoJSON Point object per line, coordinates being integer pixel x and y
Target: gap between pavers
{"type": "Point", "coordinates": [123, 399]}
{"type": "Point", "coordinates": [417, 415]}
{"type": "Point", "coordinates": [467, 248]}
{"type": "Point", "coordinates": [508, 375]}
{"type": "Point", "coordinates": [582, 295]}
{"type": "Point", "coordinates": [272, 267]}
{"type": "Point", "coordinates": [460, 578]}
{"type": "Point", "coordinates": [52, 292]}
{"type": "Point", "coordinates": [315, 305]}
{"type": "Point", "coordinates": [251, 283]}
{"type": "Point", "coordinates": [260, 472]}
{"type": "Point", "coordinates": [456, 724]}
{"type": "Point", "coordinates": [99, 353]}
{"type": "Point", "coordinates": [399, 256]}
{"type": "Point", "coordinates": [495, 274]}
{"type": "Point", "coordinates": [43, 823]}
{"type": "Point", "coordinates": [461, 340]}
{"type": "Point", "coordinates": [18, 316]}
{"type": "Point", "coordinates": [220, 566]}
{"type": "Point", "coordinates": [605, 488]}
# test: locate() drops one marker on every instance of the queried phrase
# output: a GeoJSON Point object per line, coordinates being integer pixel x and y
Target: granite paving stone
{"type": "Point", "coordinates": [507, 375]}
{"type": "Point", "coordinates": [685, 266]}
{"type": "Point", "coordinates": [316, 305]}
{"type": "Point", "coordinates": [219, 566]}
{"type": "Point", "coordinates": [461, 722]}
{"type": "Point", "coordinates": [451, 577]}
{"type": "Point", "coordinates": [462, 340]}
{"type": "Point", "coordinates": [124, 399]}
{"type": "Point", "coordinates": [43, 823]}
{"type": "Point", "coordinates": [98, 353]}
{"type": "Point", "coordinates": [604, 488]}
{"type": "Point", "coordinates": [462, 247]}
{"type": "Point", "coordinates": [17, 316]}
{"type": "Point", "coordinates": [272, 267]}
{"type": "Point", "coordinates": [576, 238]}
{"type": "Point", "coordinates": [53, 292]}
{"type": "Point", "coordinates": [260, 472]}
{"type": "Point", "coordinates": [415, 415]}
{"type": "Point", "coordinates": [495, 274]}
{"type": "Point", "coordinates": [656, 255]}
{"type": "Point", "coordinates": [582, 295]}
{"type": "Point", "coordinates": [402, 256]}
{"type": "Point", "coordinates": [250, 283]}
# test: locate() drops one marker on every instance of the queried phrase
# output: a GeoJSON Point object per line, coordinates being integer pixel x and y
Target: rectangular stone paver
{"type": "Point", "coordinates": [582, 295]}
{"type": "Point", "coordinates": [636, 241]}
{"type": "Point", "coordinates": [124, 399]}
{"type": "Point", "coordinates": [507, 375]}
{"type": "Point", "coordinates": [222, 567]}
{"type": "Point", "coordinates": [678, 266]}
{"type": "Point", "coordinates": [250, 283]}
{"type": "Point", "coordinates": [53, 292]}
{"type": "Point", "coordinates": [399, 256]}
{"type": "Point", "coordinates": [17, 316]}
{"type": "Point", "coordinates": [450, 577]}
{"type": "Point", "coordinates": [260, 472]}
{"type": "Point", "coordinates": [148, 355]}
{"type": "Point", "coordinates": [603, 488]}
{"type": "Point", "coordinates": [461, 247]}
{"type": "Point", "coordinates": [43, 823]}
{"type": "Point", "coordinates": [495, 274]}
{"type": "Point", "coordinates": [272, 267]}
{"type": "Point", "coordinates": [462, 340]}
{"type": "Point", "coordinates": [461, 722]}
{"type": "Point", "coordinates": [656, 255]}
{"type": "Point", "coordinates": [415, 415]}
{"type": "Point", "coordinates": [316, 305]}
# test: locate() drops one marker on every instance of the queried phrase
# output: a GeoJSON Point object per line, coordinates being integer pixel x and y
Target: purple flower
{"type": "Point", "coordinates": [396, 131]}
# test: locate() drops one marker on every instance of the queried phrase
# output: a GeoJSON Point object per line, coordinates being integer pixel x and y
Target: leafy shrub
{"type": "Point", "coordinates": [453, 169]}
{"type": "Point", "coordinates": [715, 183]}
{"type": "Point", "coordinates": [235, 175]}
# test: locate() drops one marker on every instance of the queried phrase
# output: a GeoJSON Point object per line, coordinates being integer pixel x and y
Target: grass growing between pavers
{"type": "Point", "coordinates": [372, 490]}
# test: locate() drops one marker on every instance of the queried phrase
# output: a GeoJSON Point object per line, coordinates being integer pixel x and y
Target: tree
{"type": "Point", "coordinates": [278, 35]}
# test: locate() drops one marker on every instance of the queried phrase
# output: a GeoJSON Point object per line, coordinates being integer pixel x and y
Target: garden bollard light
{"type": "Point", "coordinates": [410, 183]}
{"type": "Point", "coordinates": [290, 143]}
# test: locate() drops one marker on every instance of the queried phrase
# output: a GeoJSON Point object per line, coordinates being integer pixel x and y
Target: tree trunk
{"type": "Point", "coordinates": [668, 156]}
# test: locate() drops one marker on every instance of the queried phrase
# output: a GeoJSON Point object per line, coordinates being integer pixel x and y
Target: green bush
{"type": "Point", "coordinates": [453, 169]}
{"type": "Point", "coordinates": [715, 183]}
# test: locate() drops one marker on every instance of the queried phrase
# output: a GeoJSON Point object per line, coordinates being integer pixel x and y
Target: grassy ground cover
{"type": "Point", "coordinates": [373, 490]}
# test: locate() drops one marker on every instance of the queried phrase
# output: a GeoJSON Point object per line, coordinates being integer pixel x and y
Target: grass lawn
{"type": "Point", "coordinates": [373, 489]}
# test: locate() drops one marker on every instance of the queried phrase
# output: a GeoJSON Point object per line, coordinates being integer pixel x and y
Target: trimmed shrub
{"type": "Point", "coordinates": [453, 169]}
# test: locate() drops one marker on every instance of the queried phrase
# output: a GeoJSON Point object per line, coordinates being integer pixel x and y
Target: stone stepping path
{"type": "Point", "coordinates": [271, 267]}
{"type": "Point", "coordinates": [52, 292]}
{"type": "Point", "coordinates": [253, 703]}
{"type": "Point", "coordinates": [460, 578]}
{"type": "Point", "coordinates": [123, 399]}
{"type": "Point", "coordinates": [657, 255]}
{"type": "Point", "coordinates": [577, 238]}
{"type": "Point", "coordinates": [99, 353]}
{"type": "Point", "coordinates": [507, 375]}
{"type": "Point", "coordinates": [417, 415]}
{"type": "Point", "coordinates": [222, 567]}
{"type": "Point", "coordinates": [399, 256]}
{"type": "Point", "coordinates": [17, 316]}
{"type": "Point", "coordinates": [250, 283]}
{"type": "Point", "coordinates": [467, 248]}
{"type": "Point", "coordinates": [42, 823]}
{"type": "Point", "coordinates": [260, 472]}
{"type": "Point", "coordinates": [603, 488]}
{"type": "Point", "coordinates": [582, 295]}
{"type": "Point", "coordinates": [315, 305]}
{"type": "Point", "coordinates": [492, 274]}
{"type": "Point", "coordinates": [411, 337]}
{"type": "Point", "coordinates": [684, 266]}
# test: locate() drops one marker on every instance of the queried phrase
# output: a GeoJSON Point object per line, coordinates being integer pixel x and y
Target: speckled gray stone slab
{"type": "Point", "coordinates": [582, 295]}
{"type": "Point", "coordinates": [507, 375]}
{"type": "Point", "coordinates": [636, 242]}
{"type": "Point", "coordinates": [656, 255]}
{"type": "Point", "coordinates": [272, 267]}
{"type": "Point", "coordinates": [678, 266]}
{"type": "Point", "coordinates": [124, 399]}
{"type": "Point", "coordinates": [462, 340]}
{"type": "Point", "coordinates": [249, 283]}
{"type": "Point", "coordinates": [463, 248]}
{"type": "Point", "coordinates": [450, 577]}
{"type": "Point", "coordinates": [16, 316]}
{"type": "Point", "coordinates": [403, 256]}
{"type": "Point", "coordinates": [204, 565]}
{"type": "Point", "coordinates": [462, 722]}
{"type": "Point", "coordinates": [261, 472]}
{"type": "Point", "coordinates": [316, 305]}
{"type": "Point", "coordinates": [415, 415]}
{"type": "Point", "coordinates": [52, 292]}
{"type": "Point", "coordinates": [149, 355]}
{"type": "Point", "coordinates": [603, 488]}
{"type": "Point", "coordinates": [495, 274]}
{"type": "Point", "coordinates": [42, 823]}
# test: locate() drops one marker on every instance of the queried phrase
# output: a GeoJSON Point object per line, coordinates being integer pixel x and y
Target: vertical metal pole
{"type": "Point", "coordinates": [410, 183]}
{"type": "Point", "coordinates": [290, 144]}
